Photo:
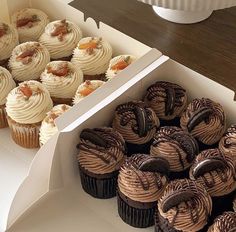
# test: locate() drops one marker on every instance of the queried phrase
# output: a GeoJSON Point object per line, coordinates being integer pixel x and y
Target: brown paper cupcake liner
{"type": "Point", "coordinates": [136, 217]}
{"type": "Point", "coordinates": [3, 117]}
{"type": "Point", "coordinates": [67, 58]}
{"type": "Point", "coordinates": [67, 101]}
{"type": "Point", "coordinates": [102, 188]}
{"type": "Point", "coordinates": [101, 77]}
{"type": "Point", "coordinates": [25, 135]}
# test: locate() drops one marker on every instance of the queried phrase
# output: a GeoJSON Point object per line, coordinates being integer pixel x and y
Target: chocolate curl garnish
{"type": "Point", "coordinates": [155, 164]}
{"type": "Point", "coordinates": [141, 117]}
{"type": "Point", "coordinates": [177, 198]}
{"type": "Point", "coordinates": [27, 21]}
{"type": "Point", "coordinates": [209, 165]}
{"type": "Point", "coordinates": [93, 137]}
{"type": "Point", "coordinates": [61, 30]}
{"type": "Point", "coordinates": [61, 71]}
{"type": "Point", "coordinates": [170, 101]}
{"type": "Point", "coordinates": [200, 115]}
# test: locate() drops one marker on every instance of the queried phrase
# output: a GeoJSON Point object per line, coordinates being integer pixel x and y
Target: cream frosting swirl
{"type": "Point", "coordinates": [85, 89]}
{"type": "Point", "coordinates": [176, 146]}
{"type": "Point", "coordinates": [30, 23]}
{"type": "Point", "coordinates": [136, 122]}
{"type": "Point", "coordinates": [185, 215]}
{"type": "Point", "coordinates": [104, 157]}
{"type": "Point", "coordinates": [205, 120]}
{"type": "Point", "coordinates": [60, 38]}
{"type": "Point", "coordinates": [6, 84]}
{"type": "Point", "coordinates": [117, 64]}
{"type": "Point", "coordinates": [62, 78]}
{"type": "Point", "coordinates": [92, 55]}
{"type": "Point", "coordinates": [48, 127]}
{"type": "Point", "coordinates": [168, 100]}
{"type": "Point", "coordinates": [28, 60]}
{"type": "Point", "coordinates": [224, 223]}
{"type": "Point", "coordinates": [8, 40]}
{"type": "Point", "coordinates": [28, 103]}
{"type": "Point", "coordinates": [218, 181]}
{"type": "Point", "coordinates": [139, 185]}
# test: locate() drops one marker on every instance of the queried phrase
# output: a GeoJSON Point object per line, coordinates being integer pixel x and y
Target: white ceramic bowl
{"type": "Point", "coordinates": [187, 11]}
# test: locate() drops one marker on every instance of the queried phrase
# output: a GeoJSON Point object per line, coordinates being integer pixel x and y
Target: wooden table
{"type": "Point", "coordinates": [208, 47]}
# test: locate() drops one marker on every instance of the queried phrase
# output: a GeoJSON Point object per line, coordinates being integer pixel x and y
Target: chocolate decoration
{"type": "Point", "coordinates": [155, 164]}
{"type": "Point", "coordinates": [176, 198]}
{"type": "Point", "coordinates": [199, 116]}
{"type": "Point", "coordinates": [170, 101]}
{"type": "Point", "coordinates": [94, 137]}
{"type": "Point", "coordinates": [207, 166]}
{"type": "Point", "coordinates": [141, 118]}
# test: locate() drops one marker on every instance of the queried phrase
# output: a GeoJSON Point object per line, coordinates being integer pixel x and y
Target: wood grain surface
{"type": "Point", "coordinates": [208, 47]}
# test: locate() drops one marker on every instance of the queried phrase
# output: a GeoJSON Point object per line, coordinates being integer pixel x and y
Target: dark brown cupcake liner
{"type": "Point", "coordinates": [102, 188]}
{"type": "Point", "coordinates": [136, 217]}
{"type": "Point", "coordinates": [3, 117]}
{"type": "Point", "coordinates": [57, 100]}
{"type": "Point", "coordinates": [100, 77]}
{"type": "Point", "coordinates": [138, 148]}
{"type": "Point", "coordinates": [67, 58]}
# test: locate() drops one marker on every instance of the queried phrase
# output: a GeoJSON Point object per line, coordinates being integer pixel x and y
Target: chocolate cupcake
{"type": "Point", "coordinates": [101, 153]}
{"type": "Point", "coordinates": [184, 206]}
{"type": "Point", "coordinates": [227, 143]}
{"type": "Point", "coordinates": [137, 123]}
{"type": "Point", "coordinates": [224, 223]}
{"type": "Point", "coordinates": [215, 172]}
{"type": "Point", "coordinates": [205, 120]}
{"type": "Point", "coordinates": [141, 182]}
{"type": "Point", "coordinates": [176, 146]}
{"type": "Point", "coordinates": [168, 100]}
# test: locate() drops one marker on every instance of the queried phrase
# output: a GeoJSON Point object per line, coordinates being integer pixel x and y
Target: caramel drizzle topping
{"type": "Point", "coordinates": [91, 45]}
{"type": "Point", "coordinates": [122, 64]}
{"type": "Point", "coordinates": [26, 56]}
{"type": "Point", "coordinates": [61, 30]}
{"type": "Point", "coordinates": [62, 71]}
{"type": "Point", "coordinates": [26, 91]}
{"type": "Point", "coordinates": [27, 21]}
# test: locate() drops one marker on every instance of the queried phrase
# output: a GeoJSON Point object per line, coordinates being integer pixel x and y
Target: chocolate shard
{"type": "Point", "coordinates": [170, 101]}
{"type": "Point", "coordinates": [176, 198]}
{"type": "Point", "coordinates": [155, 164]}
{"type": "Point", "coordinates": [208, 165]}
{"type": "Point", "coordinates": [141, 117]}
{"type": "Point", "coordinates": [199, 116]}
{"type": "Point", "coordinates": [93, 137]}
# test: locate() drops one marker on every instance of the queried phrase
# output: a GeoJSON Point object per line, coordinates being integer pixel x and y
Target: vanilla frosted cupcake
{"type": "Point", "coordinates": [117, 64]}
{"type": "Point", "coordinates": [6, 85]}
{"type": "Point", "coordinates": [8, 41]}
{"type": "Point", "coordinates": [30, 23]}
{"type": "Point", "coordinates": [62, 78]}
{"type": "Point", "coordinates": [60, 38]}
{"type": "Point", "coordinates": [28, 60]}
{"type": "Point", "coordinates": [85, 89]}
{"type": "Point", "coordinates": [26, 108]}
{"type": "Point", "coordinates": [92, 55]}
{"type": "Point", "coordinates": [48, 127]}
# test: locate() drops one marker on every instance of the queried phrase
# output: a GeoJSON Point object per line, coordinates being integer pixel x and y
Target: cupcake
{"type": "Point", "coordinates": [85, 89]}
{"type": "Point", "coordinates": [168, 100]}
{"type": "Point", "coordinates": [141, 182]}
{"type": "Point", "coordinates": [62, 78]}
{"type": "Point", "coordinates": [205, 120]}
{"type": "Point", "coordinates": [227, 143]}
{"type": "Point", "coordinates": [60, 38]}
{"type": "Point", "coordinates": [6, 85]}
{"type": "Point", "coordinates": [26, 107]}
{"type": "Point", "coordinates": [176, 146]}
{"type": "Point", "coordinates": [117, 64]}
{"type": "Point", "coordinates": [8, 41]}
{"type": "Point", "coordinates": [224, 223]}
{"type": "Point", "coordinates": [184, 206]}
{"type": "Point", "coordinates": [30, 24]}
{"type": "Point", "coordinates": [215, 172]}
{"type": "Point", "coordinates": [48, 127]}
{"type": "Point", "coordinates": [137, 124]}
{"type": "Point", "coordinates": [28, 60]}
{"type": "Point", "coordinates": [101, 153]}
{"type": "Point", "coordinates": [92, 55]}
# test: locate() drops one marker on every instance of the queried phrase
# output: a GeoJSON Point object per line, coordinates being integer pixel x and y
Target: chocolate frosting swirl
{"type": "Point", "coordinates": [101, 150]}
{"type": "Point", "coordinates": [142, 186]}
{"type": "Point", "coordinates": [224, 223]}
{"type": "Point", "coordinates": [215, 172]}
{"type": "Point", "coordinates": [136, 122]}
{"type": "Point", "coordinates": [186, 205]}
{"type": "Point", "coordinates": [168, 100]}
{"type": "Point", "coordinates": [176, 146]}
{"type": "Point", "coordinates": [205, 120]}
